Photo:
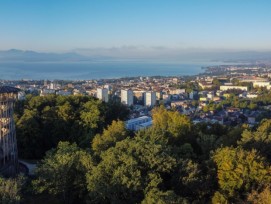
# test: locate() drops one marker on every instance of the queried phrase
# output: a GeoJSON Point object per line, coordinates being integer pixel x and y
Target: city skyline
{"type": "Point", "coordinates": [135, 27]}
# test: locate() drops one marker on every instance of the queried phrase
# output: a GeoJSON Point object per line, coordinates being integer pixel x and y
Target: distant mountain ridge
{"type": "Point", "coordinates": [14, 55]}
{"type": "Point", "coordinates": [123, 54]}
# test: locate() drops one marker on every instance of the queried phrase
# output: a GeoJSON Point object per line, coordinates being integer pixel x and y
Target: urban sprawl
{"type": "Point", "coordinates": [226, 94]}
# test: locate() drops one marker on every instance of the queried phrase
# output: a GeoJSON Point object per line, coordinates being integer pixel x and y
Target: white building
{"type": "Point", "coordinates": [150, 98]}
{"type": "Point", "coordinates": [109, 87]}
{"type": "Point", "coordinates": [177, 91]}
{"type": "Point", "coordinates": [53, 85]}
{"type": "Point", "coordinates": [265, 84]}
{"type": "Point", "coordinates": [63, 93]}
{"type": "Point", "coordinates": [225, 88]}
{"type": "Point", "coordinates": [252, 95]}
{"type": "Point", "coordinates": [102, 94]}
{"type": "Point", "coordinates": [45, 92]}
{"type": "Point", "coordinates": [210, 95]}
{"type": "Point", "coordinates": [127, 97]}
{"type": "Point", "coordinates": [159, 95]}
{"type": "Point", "coordinates": [139, 123]}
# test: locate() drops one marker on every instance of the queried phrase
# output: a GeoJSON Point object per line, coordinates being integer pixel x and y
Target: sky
{"type": "Point", "coordinates": [134, 25]}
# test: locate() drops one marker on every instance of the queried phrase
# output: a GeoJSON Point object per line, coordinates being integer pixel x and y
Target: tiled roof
{"type": "Point", "coordinates": [8, 89]}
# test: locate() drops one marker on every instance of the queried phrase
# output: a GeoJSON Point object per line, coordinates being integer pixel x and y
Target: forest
{"type": "Point", "coordinates": [86, 155]}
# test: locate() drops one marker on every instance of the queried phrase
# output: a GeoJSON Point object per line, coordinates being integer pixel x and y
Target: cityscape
{"type": "Point", "coordinates": [152, 102]}
{"type": "Point", "coordinates": [204, 97]}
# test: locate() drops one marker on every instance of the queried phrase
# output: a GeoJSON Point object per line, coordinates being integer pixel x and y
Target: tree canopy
{"type": "Point", "coordinates": [92, 158]}
{"type": "Point", "coordinates": [42, 122]}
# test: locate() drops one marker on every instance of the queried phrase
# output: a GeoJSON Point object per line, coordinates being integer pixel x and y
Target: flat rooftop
{"type": "Point", "coordinates": [138, 119]}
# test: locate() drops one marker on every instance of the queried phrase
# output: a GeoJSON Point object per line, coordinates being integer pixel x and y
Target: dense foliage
{"type": "Point", "coordinates": [10, 190]}
{"type": "Point", "coordinates": [174, 161]}
{"type": "Point", "coordinates": [42, 122]}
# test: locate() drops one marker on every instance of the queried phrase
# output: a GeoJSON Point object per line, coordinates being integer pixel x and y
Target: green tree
{"type": "Point", "coordinates": [91, 115]}
{"type": "Point", "coordinates": [10, 190]}
{"type": "Point", "coordinates": [42, 122]}
{"type": "Point", "coordinates": [263, 197]}
{"type": "Point", "coordinates": [172, 124]}
{"type": "Point", "coordinates": [253, 106]}
{"type": "Point", "coordinates": [29, 135]}
{"type": "Point", "coordinates": [216, 82]}
{"type": "Point", "coordinates": [114, 133]}
{"type": "Point", "coordinates": [157, 196]}
{"type": "Point", "coordinates": [129, 170]}
{"type": "Point", "coordinates": [239, 171]}
{"type": "Point", "coordinates": [115, 110]}
{"type": "Point", "coordinates": [190, 178]}
{"type": "Point", "coordinates": [62, 172]}
{"type": "Point", "coordinates": [219, 198]}
{"type": "Point", "coordinates": [259, 139]}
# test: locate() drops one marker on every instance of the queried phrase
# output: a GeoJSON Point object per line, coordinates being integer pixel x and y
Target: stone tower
{"type": "Point", "coordinates": [8, 142]}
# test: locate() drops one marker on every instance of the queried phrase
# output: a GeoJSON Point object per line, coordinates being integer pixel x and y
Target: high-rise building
{"type": "Point", "coordinates": [52, 85]}
{"type": "Point", "coordinates": [109, 87]}
{"type": "Point", "coordinates": [102, 94]}
{"type": "Point", "coordinates": [8, 143]}
{"type": "Point", "coordinates": [150, 98]}
{"type": "Point", "coordinates": [127, 97]}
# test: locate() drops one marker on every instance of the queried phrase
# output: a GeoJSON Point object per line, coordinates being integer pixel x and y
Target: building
{"type": "Point", "coordinates": [225, 88]}
{"type": "Point", "coordinates": [176, 91]}
{"type": "Point", "coordinates": [45, 83]}
{"type": "Point", "coordinates": [139, 123]}
{"type": "Point", "coordinates": [150, 98]}
{"type": "Point", "coordinates": [159, 95]}
{"type": "Point", "coordinates": [45, 92]}
{"type": "Point", "coordinates": [8, 143]}
{"type": "Point", "coordinates": [252, 95]}
{"type": "Point", "coordinates": [265, 84]}
{"type": "Point", "coordinates": [193, 94]}
{"type": "Point", "coordinates": [102, 94]}
{"type": "Point", "coordinates": [210, 95]}
{"type": "Point", "coordinates": [205, 84]}
{"type": "Point", "coordinates": [127, 97]}
{"type": "Point", "coordinates": [252, 79]}
{"type": "Point", "coordinates": [63, 93]}
{"type": "Point", "coordinates": [109, 87]}
{"type": "Point", "coordinates": [139, 95]}
{"type": "Point", "coordinates": [53, 85]}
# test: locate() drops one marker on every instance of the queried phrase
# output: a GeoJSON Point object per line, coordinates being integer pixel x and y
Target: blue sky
{"type": "Point", "coordinates": [64, 25]}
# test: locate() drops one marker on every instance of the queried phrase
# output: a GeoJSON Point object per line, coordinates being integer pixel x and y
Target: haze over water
{"type": "Point", "coordinates": [96, 70]}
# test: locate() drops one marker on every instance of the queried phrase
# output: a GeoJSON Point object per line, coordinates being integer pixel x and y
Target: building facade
{"type": "Point", "coordinates": [102, 94]}
{"type": "Point", "coordinates": [150, 98]}
{"type": "Point", "coordinates": [225, 88]}
{"type": "Point", "coordinates": [265, 84]}
{"type": "Point", "coordinates": [127, 97]}
{"type": "Point", "coordinates": [8, 142]}
{"type": "Point", "coordinates": [139, 123]}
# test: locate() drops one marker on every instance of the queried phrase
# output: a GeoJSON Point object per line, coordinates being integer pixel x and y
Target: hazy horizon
{"type": "Point", "coordinates": [135, 28]}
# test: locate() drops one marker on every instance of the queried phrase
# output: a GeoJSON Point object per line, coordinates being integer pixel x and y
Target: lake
{"type": "Point", "coordinates": [96, 70]}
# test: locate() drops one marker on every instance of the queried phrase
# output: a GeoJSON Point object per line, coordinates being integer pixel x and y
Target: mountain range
{"type": "Point", "coordinates": [15, 55]}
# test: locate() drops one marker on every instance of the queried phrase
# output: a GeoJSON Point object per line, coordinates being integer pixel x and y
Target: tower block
{"type": "Point", "coordinates": [8, 142]}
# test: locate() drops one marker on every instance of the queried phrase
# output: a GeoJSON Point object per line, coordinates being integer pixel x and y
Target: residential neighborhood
{"type": "Point", "coordinates": [229, 98]}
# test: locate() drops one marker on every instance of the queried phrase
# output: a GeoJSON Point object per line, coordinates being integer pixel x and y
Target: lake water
{"type": "Point", "coordinates": [96, 70]}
